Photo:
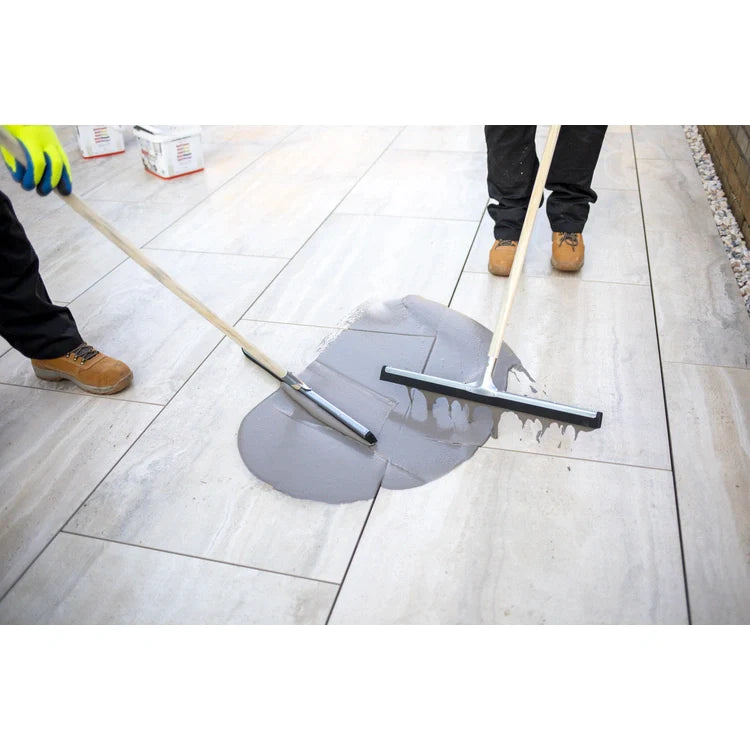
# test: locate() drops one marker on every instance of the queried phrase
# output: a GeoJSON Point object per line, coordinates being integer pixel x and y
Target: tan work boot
{"type": "Point", "coordinates": [87, 368]}
{"type": "Point", "coordinates": [501, 257]}
{"type": "Point", "coordinates": [567, 251]}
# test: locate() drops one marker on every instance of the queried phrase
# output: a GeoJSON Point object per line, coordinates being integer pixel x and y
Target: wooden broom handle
{"type": "Point", "coordinates": [80, 207]}
{"type": "Point", "coordinates": [523, 242]}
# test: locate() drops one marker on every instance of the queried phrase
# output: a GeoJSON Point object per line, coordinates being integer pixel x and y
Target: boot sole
{"type": "Point", "coordinates": [495, 272]}
{"type": "Point", "coordinates": [569, 269]}
{"type": "Point", "coordinates": [100, 390]}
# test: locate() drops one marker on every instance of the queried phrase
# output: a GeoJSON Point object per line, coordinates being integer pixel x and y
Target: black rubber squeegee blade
{"type": "Point", "coordinates": [493, 397]}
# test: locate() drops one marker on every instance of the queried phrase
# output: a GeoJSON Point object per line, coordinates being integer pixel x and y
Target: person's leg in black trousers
{"type": "Point", "coordinates": [29, 321]}
{"type": "Point", "coordinates": [511, 169]}
{"type": "Point", "coordinates": [41, 330]}
{"type": "Point", "coordinates": [570, 175]}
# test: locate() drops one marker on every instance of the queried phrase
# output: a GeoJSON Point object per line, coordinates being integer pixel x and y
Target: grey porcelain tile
{"type": "Point", "coordinates": [661, 142]}
{"type": "Point", "coordinates": [89, 174]}
{"type": "Point", "coordinates": [512, 538]}
{"type": "Point", "coordinates": [328, 152]}
{"type": "Point", "coordinates": [73, 255]}
{"type": "Point", "coordinates": [615, 169]}
{"type": "Point", "coordinates": [184, 487]}
{"type": "Point", "coordinates": [67, 135]}
{"type": "Point", "coordinates": [615, 244]}
{"type": "Point", "coordinates": [257, 213]}
{"type": "Point", "coordinates": [430, 184]}
{"type": "Point", "coordinates": [54, 449]}
{"type": "Point", "coordinates": [709, 414]}
{"type": "Point", "coordinates": [352, 259]}
{"type": "Point", "coordinates": [82, 581]}
{"type": "Point", "coordinates": [442, 138]}
{"type": "Point", "coordinates": [131, 316]}
{"type": "Point", "coordinates": [701, 317]}
{"type": "Point", "coordinates": [673, 198]}
{"type": "Point", "coordinates": [586, 344]}
{"type": "Point", "coordinates": [261, 135]}
{"type": "Point", "coordinates": [222, 163]}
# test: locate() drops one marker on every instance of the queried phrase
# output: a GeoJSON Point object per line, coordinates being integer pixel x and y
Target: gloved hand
{"type": "Point", "coordinates": [47, 166]}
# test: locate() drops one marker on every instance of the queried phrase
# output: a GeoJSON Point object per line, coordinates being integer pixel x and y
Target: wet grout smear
{"type": "Point", "coordinates": [421, 435]}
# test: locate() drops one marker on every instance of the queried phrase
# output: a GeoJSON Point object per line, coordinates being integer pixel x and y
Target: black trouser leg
{"type": "Point", "coordinates": [28, 319]}
{"type": "Point", "coordinates": [570, 175]}
{"type": "Point", "coordinates": [511, 169]}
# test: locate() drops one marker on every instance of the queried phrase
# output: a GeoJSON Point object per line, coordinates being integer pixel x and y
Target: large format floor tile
{"type": "Point", "coordinates": [184, 487]}
{"type": "Point", "coordinates": [514, 538]}
{"type": "Point", "coordinates": [257, 213]}
{"type": "Point", "coordinates": [661, 142]}
{"type": "Point", "coordinates": [134, 318]}
{"type": "Point", "coordinates": [615, 245]}
{"type": "Point", "coordinates": [587, 344]}
{"type": "Point", "coordinates": [54, 449]}
{"type": "Point", "coordinates": [615, 169]}
{"type": "Point", "coordinates": [67, 135]}
{"type": "Point", "coordinates": [261, 135]}
{"type": "Point", "coordinates": [73, 255]}
{"type": "Point", "coordinates": [442, 138]}
{"type": "Point", "coordinates": [352, 259]}
{"type": "Point", "coordinates": [328, 152]}
{"type": "Point", "coordinates": [89, 174]}
{"type": "Point", "coordinates": [673, 198]}
{"type": "Point", "coordinates": [709, 413]}
{"type": "Point", "coordinates": [222, 163]}
{"type": "Point", "coordinates": [701, 317]}
{"type": "Point", "coordinates": [83, 581]}
{"type": "Point", "coordinates": [428, 184]}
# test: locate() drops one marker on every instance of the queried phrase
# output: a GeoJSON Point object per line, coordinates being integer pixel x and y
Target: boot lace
{"type": "Point", "coordinates": [84, 352]}
{"type": "Point", "coordinates": [571, 238]}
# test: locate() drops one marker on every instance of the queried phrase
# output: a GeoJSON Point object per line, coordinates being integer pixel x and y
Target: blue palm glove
{"type": "Point", "coordinates": [47, 166]}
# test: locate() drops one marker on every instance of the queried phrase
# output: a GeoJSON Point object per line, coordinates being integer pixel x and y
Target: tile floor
{"type": "Point", "coordinates": [138, 509]}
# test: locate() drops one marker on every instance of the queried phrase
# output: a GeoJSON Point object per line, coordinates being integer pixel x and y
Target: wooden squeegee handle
{"type": "Point", "coordinates": [80, 207]}
{"type": "Point", "coordinates": [523, 242]}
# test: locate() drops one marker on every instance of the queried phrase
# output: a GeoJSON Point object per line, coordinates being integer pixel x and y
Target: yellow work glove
{"type": "Point", "coordinates": [47, 166]}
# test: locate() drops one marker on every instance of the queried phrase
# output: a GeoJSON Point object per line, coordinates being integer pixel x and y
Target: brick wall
{"type": "Point", "coordinates": [729, 146]}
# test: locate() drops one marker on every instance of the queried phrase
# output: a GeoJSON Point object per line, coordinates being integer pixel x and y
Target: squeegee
{"type": "Point", "coordinates": [306, 397]}
{"type": "Point", "coordinates": [485, 391]}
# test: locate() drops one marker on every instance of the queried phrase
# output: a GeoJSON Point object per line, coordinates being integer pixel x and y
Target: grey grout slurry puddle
{"type": "Point", "coordinates": [421, 436]}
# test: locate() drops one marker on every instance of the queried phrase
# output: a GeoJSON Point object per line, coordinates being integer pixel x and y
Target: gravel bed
{"type": "Point", "coordinates": [729, 230]}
